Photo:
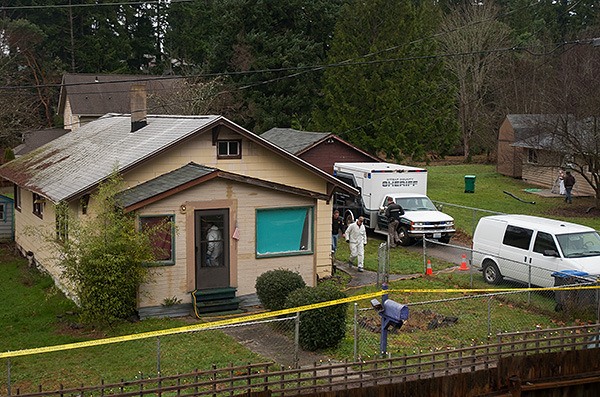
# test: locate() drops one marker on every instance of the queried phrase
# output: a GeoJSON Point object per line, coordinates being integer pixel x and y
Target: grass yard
{"type": "Point", "coordinates": [446, 184]}
{"type": "Point", "coordinates": [36, 314]}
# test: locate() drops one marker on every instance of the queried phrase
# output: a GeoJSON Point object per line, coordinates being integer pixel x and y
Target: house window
{"type": "Point", "coordinates": [62, 222]}
{"type": "Point", "coordinates": [38, 205]}
{"type": "Point", "coordinates": [162, 236]}
{"type": "Point", "coordinates": [17, 194]}
{"type": "Point", "coordinates": [284, 231]}
{"type": "Point", "coordinates": [2, 212]}
{"type": "Point", "coordinates": [84, 202]}
{"type": "Point", "coordinates": [229, 149]}
{"type": "Point", "coordinates": [532, 156]}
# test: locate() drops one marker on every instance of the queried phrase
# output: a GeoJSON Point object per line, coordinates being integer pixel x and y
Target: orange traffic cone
{"type": "Point", "coordinates": [428, 271]}
{"type": "Point", "coordinates": [463, 263]}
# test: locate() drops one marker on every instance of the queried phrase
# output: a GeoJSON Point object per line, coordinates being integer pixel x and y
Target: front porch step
{"type": "Point", "coordinates": [224, 305]}
{"type": "Point", "coordinates": [216, 300]}
{"type": "Point", "coordinates": [203, 295]}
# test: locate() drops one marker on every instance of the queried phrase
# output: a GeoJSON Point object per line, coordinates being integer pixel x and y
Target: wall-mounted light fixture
{"type": "Point", "coordinates": [182, 208]}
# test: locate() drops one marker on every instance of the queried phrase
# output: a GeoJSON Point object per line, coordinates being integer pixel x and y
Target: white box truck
{"type": "Point", "coordinates": [406, 185]}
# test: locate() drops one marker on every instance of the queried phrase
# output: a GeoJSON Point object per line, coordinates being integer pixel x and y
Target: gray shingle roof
{"type": "Point", "coordinates": [163, 183]}
{"type": "Point", "coordinates": [77, 161]}
{"type": "Point", "coordinates": [33, 139]}
{"type": "Point", "coordinates": [293, 140]}
{"type": "Point", "coordinates": [99, 94]}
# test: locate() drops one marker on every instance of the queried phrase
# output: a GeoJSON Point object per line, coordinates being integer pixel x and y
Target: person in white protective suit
{"type": "Point", "coordinates": [356, 236]}
{"type": "Point", "coordinates": [214, 247]}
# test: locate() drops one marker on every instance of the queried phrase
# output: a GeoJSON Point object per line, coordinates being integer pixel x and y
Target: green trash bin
{"type": "Point", "coordinates": [469, 183]}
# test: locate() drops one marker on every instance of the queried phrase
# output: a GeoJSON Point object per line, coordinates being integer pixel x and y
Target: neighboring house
{"type": "Point", "coordinates": [33, 139]}
{"type": "Point", "coordinates": [515, 128]}
{"type": "Point", "coordinates": [270, 207]}
{"type": "Point", "coordinates": [529, 148]}
{"type": "Point", "coordinates": [7, 231]}
{"type": "Point", "coordinates": [321, 149]}
{"type": "Point", "coordinates": [86, 97]}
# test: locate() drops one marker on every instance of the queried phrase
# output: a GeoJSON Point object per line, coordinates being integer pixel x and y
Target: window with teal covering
{"type": "Point", "coordinates": [284, 231]}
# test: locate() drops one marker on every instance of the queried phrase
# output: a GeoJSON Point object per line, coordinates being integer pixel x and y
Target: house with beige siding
{"type": "Point", "coordinates": [240, 205]}
{"type": "Point", "coordinates": [546, 144]}
{"type": "Point", "coordinates": [85, 97]}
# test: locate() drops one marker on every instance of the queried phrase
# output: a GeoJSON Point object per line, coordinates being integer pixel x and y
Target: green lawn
{"type": "Point", "coordinates": [35, 314]}
{"type": "Point", "coordinates": [446, 184]}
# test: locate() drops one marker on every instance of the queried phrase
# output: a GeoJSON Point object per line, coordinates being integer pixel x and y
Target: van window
{"type": "Point", "coordinates": [543, 242]}
{"type": "Point", "coordinates": [517, 237]}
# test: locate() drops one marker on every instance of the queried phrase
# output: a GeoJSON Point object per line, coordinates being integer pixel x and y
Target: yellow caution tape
{"type": "Point", "coordinates": [265, 315]}
{"type": "Point", "coordinates": [490, 290]}
{"type": "Point", "coordinates": [188, 328]}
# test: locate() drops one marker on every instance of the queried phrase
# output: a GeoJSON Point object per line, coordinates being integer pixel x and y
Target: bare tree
{"type": "Point", "coordinates": [574, 137]}
{"type": "Point", "coordinates": [471, 36]}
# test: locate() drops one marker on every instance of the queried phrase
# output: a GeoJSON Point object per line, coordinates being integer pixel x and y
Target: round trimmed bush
{"type": "Point", "coordinates": [320, 328]}
{"type": "Point", "coordinates": [274, 286]}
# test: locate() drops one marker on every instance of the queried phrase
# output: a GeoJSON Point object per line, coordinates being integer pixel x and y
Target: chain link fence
{"type": "Point", "coordinates": [438, 320]}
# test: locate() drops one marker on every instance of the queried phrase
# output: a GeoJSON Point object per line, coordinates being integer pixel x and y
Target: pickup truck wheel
{"type": "Point", "coordinates": [403, 237]}
{"type": "Point", "coordinates": [445, 240]}
{"type": "Point", "coordinates": [491, 273]}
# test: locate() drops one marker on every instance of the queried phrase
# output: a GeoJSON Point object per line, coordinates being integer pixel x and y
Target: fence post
{"type": "Point", "coordinates": [297, 340]}
{"type": "Point", "coordinates": [489, 315]}
{"type": "Point", "coordinates": [529, 285]}
{"type": "Point", "coordinates": [8, 377]}
{"type": "Point", "coordinates": [158, 355]}
{"type": "Point", "coordinates": [355, 332]}
{"type": "Point", "coordinates": [424, 255]}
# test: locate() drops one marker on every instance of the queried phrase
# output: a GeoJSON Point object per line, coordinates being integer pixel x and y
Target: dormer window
{"type": "Point", "coordinates": [229, 149]}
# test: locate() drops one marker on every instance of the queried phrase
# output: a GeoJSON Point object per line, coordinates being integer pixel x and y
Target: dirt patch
{"type": "Point", "coordinates": [582, 209]}
{"type": "Point", "coordinates": [421, 320]}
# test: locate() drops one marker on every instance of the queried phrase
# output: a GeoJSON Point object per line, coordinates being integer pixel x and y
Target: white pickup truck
{"type": "Point", "coordinates": [406, 185]}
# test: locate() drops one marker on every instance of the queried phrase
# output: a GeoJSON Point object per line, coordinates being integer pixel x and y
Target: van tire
{"type": "Point", "coordinates": [403, 237]}
{"type": "Point", "coordinates": [491, 273]}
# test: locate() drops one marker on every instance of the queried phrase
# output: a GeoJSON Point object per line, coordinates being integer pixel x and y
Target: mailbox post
{"type": "Point", "coordinates": [392, 314]}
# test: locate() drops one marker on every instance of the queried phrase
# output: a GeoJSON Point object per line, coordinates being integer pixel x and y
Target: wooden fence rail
{"type": "Point", "coordinates": [278, 381]}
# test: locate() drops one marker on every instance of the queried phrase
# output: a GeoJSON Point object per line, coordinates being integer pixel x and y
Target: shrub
{"type": "Point", "coordinates": [104, 258]}
{"type": "Point", "coordinates": [320, 328]}
{"type": "Point", "coordinates": [274, 286]}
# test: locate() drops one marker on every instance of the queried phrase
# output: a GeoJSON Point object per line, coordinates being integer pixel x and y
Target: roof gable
{"type": "Point", "coordinates": [298, 142]}
{"type": "Point", "coordinates": [193, 174]}
{"type": "Point", "coordinates": [293, 140]}
{"type": "Point", "coordinates": [76, 162]}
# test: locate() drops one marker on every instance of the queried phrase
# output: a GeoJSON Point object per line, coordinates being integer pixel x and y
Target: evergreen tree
{"type": "Point", "coordinates": [244, 38]}
{"type": "Point", "coordinates": [384, 91]}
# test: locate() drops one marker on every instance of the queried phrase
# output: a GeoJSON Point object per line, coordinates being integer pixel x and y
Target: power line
{"type": "Point", "coordinates": [151, 2]}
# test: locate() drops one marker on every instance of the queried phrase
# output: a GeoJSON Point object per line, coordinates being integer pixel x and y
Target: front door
{"type": "Point", "coordinates": [212, 248]}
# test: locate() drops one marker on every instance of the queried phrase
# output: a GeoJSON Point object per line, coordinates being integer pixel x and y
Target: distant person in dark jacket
{"type": "Point", "coordinates": [569, 182]}
{"type": "Point", "coordinates": [393, 212]}
{"type": "Point", "coordinates": [337, 227]}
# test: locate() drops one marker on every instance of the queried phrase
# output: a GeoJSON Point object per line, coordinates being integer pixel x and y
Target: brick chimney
{"type": "Point", "coordinates": [138, 106]}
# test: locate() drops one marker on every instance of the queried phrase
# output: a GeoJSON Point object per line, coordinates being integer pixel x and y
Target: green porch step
{"type": "Point", "coordinates": [216, 300]}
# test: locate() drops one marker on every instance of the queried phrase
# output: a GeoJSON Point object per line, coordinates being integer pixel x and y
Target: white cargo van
{"type": "Point", "coordinates": [530, 249]}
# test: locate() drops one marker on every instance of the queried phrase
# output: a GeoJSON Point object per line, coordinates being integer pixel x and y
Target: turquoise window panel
{"type": "Point", "coordinates": [284, 231]}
